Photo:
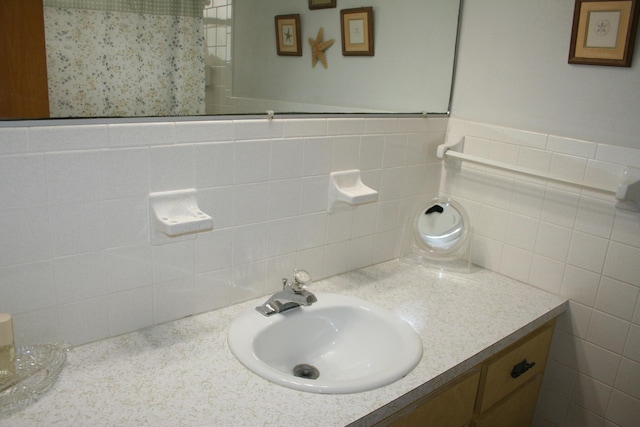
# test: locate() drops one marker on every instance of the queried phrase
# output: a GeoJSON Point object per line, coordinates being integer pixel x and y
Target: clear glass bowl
{"type": "Point", "coordinates": [37, 368]}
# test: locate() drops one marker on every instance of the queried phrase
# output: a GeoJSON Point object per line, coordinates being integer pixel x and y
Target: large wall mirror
{"type": "Point", "coordinates": [115, 58]}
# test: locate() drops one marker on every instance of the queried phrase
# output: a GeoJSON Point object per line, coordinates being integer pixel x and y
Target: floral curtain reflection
{"type": "Point", "coordinates": [125, 57]}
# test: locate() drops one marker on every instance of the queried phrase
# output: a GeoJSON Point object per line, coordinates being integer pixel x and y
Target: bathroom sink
{"type": "Point", "coordinates": [340, 344]}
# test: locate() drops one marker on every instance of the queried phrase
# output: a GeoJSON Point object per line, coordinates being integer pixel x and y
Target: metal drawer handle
{"type": "Point", "coordinates": [521, 368]}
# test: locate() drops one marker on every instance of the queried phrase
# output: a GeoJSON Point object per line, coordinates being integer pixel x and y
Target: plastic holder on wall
{"type": "Point", "coordinates": [175, 215]}
{"type": "Point", "coordinates": [346, 189]}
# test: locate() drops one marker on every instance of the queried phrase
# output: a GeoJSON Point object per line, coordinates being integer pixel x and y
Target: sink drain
{"type": "Point", "coordinates": [306, 371]}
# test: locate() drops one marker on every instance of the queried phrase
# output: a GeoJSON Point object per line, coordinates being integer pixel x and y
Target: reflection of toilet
{"type": "Point", "coordinates": [439, 235]}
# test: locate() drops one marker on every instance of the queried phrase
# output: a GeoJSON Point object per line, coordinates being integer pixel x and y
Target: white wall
{"type": "Point", "coordinates": [75, 260]}
{"type": "Point", "coordinates": [512, 70]}
{"type": "Point", "coordinates": [526, 105]}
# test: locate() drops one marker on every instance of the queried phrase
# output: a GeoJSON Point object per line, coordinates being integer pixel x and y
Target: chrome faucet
{"type": "Point", "coordinates": [292, 295]}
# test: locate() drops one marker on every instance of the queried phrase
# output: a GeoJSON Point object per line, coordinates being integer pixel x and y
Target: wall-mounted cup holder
{"type": "Point", "coordinates": [173, 215]}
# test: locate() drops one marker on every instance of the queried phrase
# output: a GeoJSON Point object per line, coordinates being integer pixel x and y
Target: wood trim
{"type": "Point", "coordinates": [24, 91]}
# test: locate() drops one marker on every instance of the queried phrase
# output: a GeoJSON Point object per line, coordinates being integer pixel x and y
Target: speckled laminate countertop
{"type": "Point", "coordinates": [183, 373]}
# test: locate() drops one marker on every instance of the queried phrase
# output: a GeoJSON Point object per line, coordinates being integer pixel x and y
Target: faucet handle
{"type": "Point", "coordinates": [301, 278]}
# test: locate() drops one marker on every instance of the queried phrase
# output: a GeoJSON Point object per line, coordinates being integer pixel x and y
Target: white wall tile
{"type": "Point", "coordinates": [284, 198]}
{"type": "Point", "coordinates": [130, 310]}
{"type": "Point", "coordinates": [140, 134]}
{"type": "Point", "coordinates": [574, 147]}
{"type": "Point", "coordinates": [395, 150]}
{"type": "Point", "coordinates": [521, 231]}
{"type": "Point", "coordinates": [632, 347]}
{"type": "Point", "coordinates": [249, 243]}
{"type": "Point", "coordinates": [27, 287]}
{"type": "Point", "coordinates": [516, 263]}
{"type": "Point", "coordinates": [607, 331]}
{"type": "Point", "coordinates": [126, 221]}
{"type": "Point", "coordinates": [257, 129]}
{"type": "Point", "coordinates": [76, 228]}
{"type": "Point", "coordinates": [314, 194]}
{"type": "Point", "coordinates": [286, 158]}
{"type": "Point", "coordinates": [248, 281]}
{"type": "Point", "coordinates": [525, 138]}
{"type": "Point", "coordinates": [345, 152]}
{"type": "Point", "coordinates": [580, 285]}
{"type": "Point", "coordinates": [617, 298]}
{"type": "Point", "coordinates": [628, 380]}
{"type": "Point", "coordinates": [212, 290]}
{"type": "Point", "coordinates": [204, 131]}
{"type": "Point", "coordinates": [128, 268]}
{"type": "Point", "coordinates": [14, 140]}
{"type": "Point", "coordinates": [626, 228]}
{"type": "Point", "coordinates": [553, 241]}
{"type": "Point", "coordinates": [346, 126]}
{"type": "Point", "coordinates": [535, 159]}
{"type": "Point", "coordinates": [173, 299]}
{"type": "Point", "coordinates": [23, 181]}
{"type": "Point", "coordinates": [250, 164]}
{"type": "Point", "coordinates": [591, 394]}
{"type": "Point", "coordinates": [560, 207]}
{"type": "Point", "coordinates": [282, 236]}
{"type": "Point", "coordinates": [73, 176]}
{"type": "Point", "coordinates": [316, 156]}
{"type": "Point", "coordinates": [623, 409]}
{"type": "Point", "coordinates": [214, 164]}
{"type": "Point", "coordinates": [79, 277]}
{"type": "Point", "coordinates": [250, 203]}
{"type": "Point", "coordinates": [172, 167]}
{"type": "Point", "coordinates": [381, 125]}
{"type": "Point", "coordinates": [546, 273]}
{"type": "Point", "coordinates": [73, 137]}
{"type": "Point", "coordinates": [312, 230]}
{"type": "Point", "coordinates": [213, 251]}
{"type": "Point", "coordinates": [124, 172]}
{"type": "Point", "coordinates": [622, 263]}
{"type": "Point", "coordinates": [173, 261]}
{"type": "Point", "coordinates": [571, 167]}
{"type": "Point", "coordinates": [339, 226]}
{"type": "Point", "coordinates": [595, 216]}
{"type": "Point", "coordinates": [304, 127]}
{"type": "Point", "coordinates": [336, 258]}
{"type": "Point", "coordinates": [587, 251]}
{"type": "Point", "coordinates": [83, 321]}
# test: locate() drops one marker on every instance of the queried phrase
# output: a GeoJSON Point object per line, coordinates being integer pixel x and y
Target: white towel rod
{"type": "Point", "coordinates": [525, 171]}
{"type": "Point", "coordinates": [627, 192]}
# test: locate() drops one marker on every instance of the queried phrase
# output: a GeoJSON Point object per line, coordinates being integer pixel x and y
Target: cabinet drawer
{"type": "Point", "coordinates": [516, 410]}
{"type": "Point", "coordinates": [497, 380]}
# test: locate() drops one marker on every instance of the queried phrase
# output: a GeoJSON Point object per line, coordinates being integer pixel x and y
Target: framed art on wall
{"type": "Point", "coordinates": [357, 31]}
{"type": "Point", "coordinates": [604, 32]}
{"type": "Point", "coordinates": [288, 38]}
{"type": "Point", "coordinates": [322, 4]}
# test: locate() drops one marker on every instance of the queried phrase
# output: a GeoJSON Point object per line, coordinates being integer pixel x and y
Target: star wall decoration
{"type": "Point", "coordinates": [317, 49]}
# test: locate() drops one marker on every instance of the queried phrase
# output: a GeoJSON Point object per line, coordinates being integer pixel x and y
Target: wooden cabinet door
{"type": "Point", "coordinates": [450, 406]}
{"type": "Point", "coordinates": [23, 63]}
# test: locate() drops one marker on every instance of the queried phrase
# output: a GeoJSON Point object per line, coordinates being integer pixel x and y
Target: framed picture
{"type": "Point", "coordinates": [322, 4]}
{"type": "Point", "coordinates": [357, 31]}
{"type": "Point", "coordinates": [288, 38]}
{"type": "Point", "coordinates": [604, 32]}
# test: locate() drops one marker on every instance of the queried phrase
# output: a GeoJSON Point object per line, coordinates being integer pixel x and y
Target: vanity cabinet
{"type": "Point", "coordinates": [502, 391]}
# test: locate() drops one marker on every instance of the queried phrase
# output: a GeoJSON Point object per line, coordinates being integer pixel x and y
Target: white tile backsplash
{"type": "Point", "coordinates": [76, 262]}
{"type": "Point", "coordinates": [575, 244]}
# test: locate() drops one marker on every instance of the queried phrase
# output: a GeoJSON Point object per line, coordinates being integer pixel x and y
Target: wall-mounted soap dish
{"type": "Point", "coordinates": [175, 215]}
{"type": "Point", "coordinates": [346, 189]}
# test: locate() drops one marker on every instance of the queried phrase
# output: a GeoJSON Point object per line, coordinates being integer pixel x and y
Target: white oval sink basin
{"type": "Point", "coordinates": [354, 345]}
